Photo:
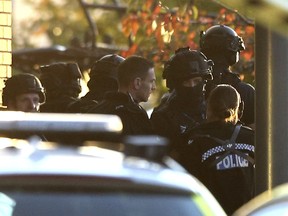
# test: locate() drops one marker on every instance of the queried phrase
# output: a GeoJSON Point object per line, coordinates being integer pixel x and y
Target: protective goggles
{"type": "Point", "coordinates": [235, 44]}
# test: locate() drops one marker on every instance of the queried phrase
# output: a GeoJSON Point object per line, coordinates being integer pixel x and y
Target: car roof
{"type": "Point", "coordinates": [131, 163]}
{"type": "Point", "coordinates": [267, 203]}
{"type": "Point", "coordinates": [67, 127]}
{"type": "Point", "coordinates": [37, 157]}
{"type": "Point", "coordinates": [91, 161]}
{"type": "Point", "coordinates": [59, 122]}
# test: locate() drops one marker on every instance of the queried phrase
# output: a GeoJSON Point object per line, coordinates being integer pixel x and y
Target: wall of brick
{"type": "Point", "coordinates": [5, 41]}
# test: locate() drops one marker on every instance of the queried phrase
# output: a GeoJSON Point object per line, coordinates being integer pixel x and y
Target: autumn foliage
{"type": "Point", "coordinates": [157, 28]}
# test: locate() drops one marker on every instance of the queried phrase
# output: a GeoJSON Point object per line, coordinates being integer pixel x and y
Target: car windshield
{"type": "Point", "coordinates": [108, 204]}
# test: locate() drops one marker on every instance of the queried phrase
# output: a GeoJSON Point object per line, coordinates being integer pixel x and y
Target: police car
{"type": "Point", "coordinates": [272, 202]}
{"type": "Point", "coordinates": [133, 177]}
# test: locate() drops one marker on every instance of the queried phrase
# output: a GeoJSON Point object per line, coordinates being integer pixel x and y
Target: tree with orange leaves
{"type": "Point", "coordinates": [157, 28]}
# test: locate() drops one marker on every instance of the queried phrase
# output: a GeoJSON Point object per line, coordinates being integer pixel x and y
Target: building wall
{"type": "Point", "coordinates": [5, 42]}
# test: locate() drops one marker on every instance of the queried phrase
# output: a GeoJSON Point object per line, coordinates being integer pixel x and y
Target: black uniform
{"type": "Point", "coordinates": [180, 112]}
{"type": "Point", "coordinates": [227, 170]}
{"type": "Point", "coordinates": [67, 104]}
{"type": "Point", "coordinates": [99, 89]}
{"type": "Point", "coordinates": [134, 118]}
{"type": "Point", "coordinates": [57, 105]}
{"type": "Point", "coordinates": [223, 45]}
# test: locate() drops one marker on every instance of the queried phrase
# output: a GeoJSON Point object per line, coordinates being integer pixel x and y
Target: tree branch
{"type": "Point", "coordinates": [243, 18]}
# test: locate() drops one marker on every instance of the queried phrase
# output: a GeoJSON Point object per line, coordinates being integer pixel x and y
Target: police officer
{"type": "Point", "coordinates": [62, 84]}
{"type": "Point", "coordinates": [186, 73]}
{"type": "Point", "coordinates": [222, 44]}
{"type": "Point", "coordinates": [103, 77]}
{"type": "Point", "coordinates": [136, 82]}
{"type": "Point", "coordinates": [220, 152]}
{"type": "Point", "coordinates": [23, 92]}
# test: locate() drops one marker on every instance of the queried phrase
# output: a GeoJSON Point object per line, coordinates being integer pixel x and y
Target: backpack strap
{"type": "Point", "coordinates": [230, 145]}
{"type": "Point", "coordinates": [235, 133]}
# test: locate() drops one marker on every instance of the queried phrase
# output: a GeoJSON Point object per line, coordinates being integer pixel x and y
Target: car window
{"type": "Point", "coordinates": [108, 204]}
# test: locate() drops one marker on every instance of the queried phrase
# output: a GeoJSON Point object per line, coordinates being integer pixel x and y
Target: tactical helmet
{"type": "Point", "coordinates": [103, 74]}
{"type": "Point", "coordinates": [220, 38]}
{"type": "Point", "coordinates": [107, 66]}
{"type": "Point", "coordinates": [186, 64]}
{"type": "Point", "coordinates": [61, 77]}
{"type": "Point", "coordinates": [21, 84]}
